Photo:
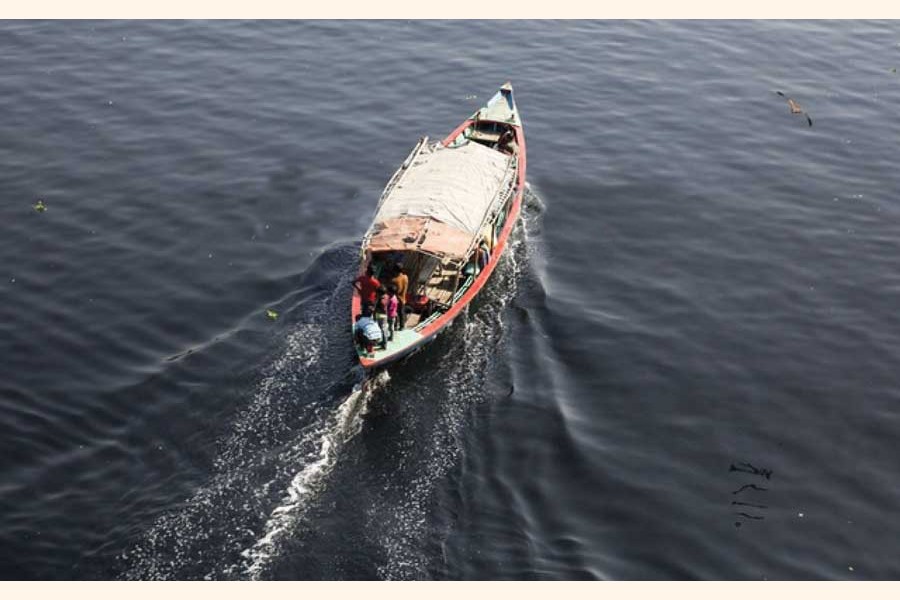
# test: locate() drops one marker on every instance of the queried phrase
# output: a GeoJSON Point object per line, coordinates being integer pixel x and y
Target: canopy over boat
{"type": "Point", "coordinates": [441, 199]}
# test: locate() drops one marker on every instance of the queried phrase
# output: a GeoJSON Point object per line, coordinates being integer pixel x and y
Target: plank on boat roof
{"type": "Point", "coordinates": [420, 234]}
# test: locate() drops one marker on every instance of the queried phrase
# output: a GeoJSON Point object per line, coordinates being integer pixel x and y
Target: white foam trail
{"type": "Point", "coordinates": [248, 463]}
{"type": "Point", "coordinates": [306, 484]}
{"type": "Point", "coordinates": [211, 530]}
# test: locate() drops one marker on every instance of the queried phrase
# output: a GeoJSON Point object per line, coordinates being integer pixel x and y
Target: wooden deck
{"type": "Point", "coordinates": [442, 286]}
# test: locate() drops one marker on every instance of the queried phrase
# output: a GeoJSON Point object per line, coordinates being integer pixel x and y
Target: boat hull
{"type": "Point", "coordinates": [416, 339]}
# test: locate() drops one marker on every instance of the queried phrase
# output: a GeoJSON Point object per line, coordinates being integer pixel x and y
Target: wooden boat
{"type": "Point", "coordinates": [446, 215]}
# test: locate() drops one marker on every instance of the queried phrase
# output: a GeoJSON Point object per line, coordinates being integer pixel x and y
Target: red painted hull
{"type": "Point", "coordinates": [432, 329]}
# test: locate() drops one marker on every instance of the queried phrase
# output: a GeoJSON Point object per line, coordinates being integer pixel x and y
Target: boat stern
{"type": "Point", "coordinates": [403, 343]}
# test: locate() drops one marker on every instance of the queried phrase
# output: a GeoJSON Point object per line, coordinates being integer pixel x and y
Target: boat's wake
{"type": "Point", "coordinates": [408, 535]}
{"type": "Point", "coordinates": [282, 483]}
{"type": "Point", "coordinates": [334, 433]}
{"type": "Point", "coordinates": [302, 408]}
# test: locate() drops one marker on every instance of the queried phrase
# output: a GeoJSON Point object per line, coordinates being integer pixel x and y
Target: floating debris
{"type": "Point", "coordinates": [746, 516]}
{"type": "Point", "coordinates": [736, 503]}
{"type": "Point", "coordinates": [745, 467]}
{"type": "Point", "coordinates": [40, 206]}
{"type": "Point", "coordinates": [795, 108]}
{"type": "Point", "coordinates": [271, 314]}
{"type": "Point", "coordinates": [749, 486]}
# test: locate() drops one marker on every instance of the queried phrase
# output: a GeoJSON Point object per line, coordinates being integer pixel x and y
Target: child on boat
{"type": "Point", "coordinates": [381, 316]}
{"type": "Point", "coordinates": [391, 305]}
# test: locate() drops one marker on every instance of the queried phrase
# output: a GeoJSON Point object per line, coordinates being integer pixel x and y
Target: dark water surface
{"type": "Point", "coordinates": [685, 367]}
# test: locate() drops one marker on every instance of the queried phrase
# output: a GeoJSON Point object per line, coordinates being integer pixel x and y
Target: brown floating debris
{"type": "Point", "coordinates": [795, 108]}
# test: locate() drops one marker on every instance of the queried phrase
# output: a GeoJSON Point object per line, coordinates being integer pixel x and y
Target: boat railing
{"type": "Point", "coordinates": [507, 188]}
{"type": "Point", "coordinates": [462, 289]}
{"type": "Point", "coordinates": [430, 318]}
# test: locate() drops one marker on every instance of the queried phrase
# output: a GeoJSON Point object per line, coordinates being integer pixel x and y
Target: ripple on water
{"type": "Point", "coordinates": [708, 281]}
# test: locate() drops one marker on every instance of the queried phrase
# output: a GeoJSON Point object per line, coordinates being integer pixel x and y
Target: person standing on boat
{"type": "Point", "coordinates": [401, 283]}
{"type": "Point", "coordinates": [484, 255]}
{"type": "Point", "coordinates": [390, 305]}
{"type": "Point", "coordinates": [381, 316]}
{"type": "Point", "coordinates": [367, 286]}
{"type": "Point", "coordinates": [367, 332]}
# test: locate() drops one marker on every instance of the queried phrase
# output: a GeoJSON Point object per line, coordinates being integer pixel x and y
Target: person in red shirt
{"type": "Point", "coordinates": [367, 286]}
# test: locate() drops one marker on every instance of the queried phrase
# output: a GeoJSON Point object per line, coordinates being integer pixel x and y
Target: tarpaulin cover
{"type": "Point", "coordinates": [455, 186]}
